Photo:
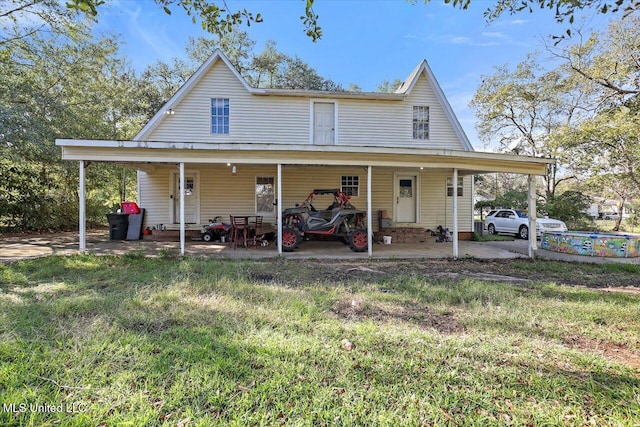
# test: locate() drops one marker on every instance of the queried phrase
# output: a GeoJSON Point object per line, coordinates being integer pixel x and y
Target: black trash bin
{"type": "Point", "coordinates": [118, 225]}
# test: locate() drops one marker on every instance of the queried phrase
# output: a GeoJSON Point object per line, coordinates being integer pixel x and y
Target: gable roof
{"type": "Point", "coordinates": [410, 82]}
{"type": "Point", "coordinates": [398, 95]}
{"type": "Point", "coordinates": [186, 88]}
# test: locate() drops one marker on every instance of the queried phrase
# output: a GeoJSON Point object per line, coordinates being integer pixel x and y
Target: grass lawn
{"type": "Point", "coordinates": [128, 341]}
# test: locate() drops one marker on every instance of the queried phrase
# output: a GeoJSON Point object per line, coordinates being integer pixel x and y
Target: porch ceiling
{"type": "Point", "coordinates": [207, 153]}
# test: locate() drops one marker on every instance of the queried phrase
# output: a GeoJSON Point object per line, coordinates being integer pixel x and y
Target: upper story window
{"type": "Point", "coordinates": [420, 122]}
{"type": "Point", "coordinates": [220, 115]}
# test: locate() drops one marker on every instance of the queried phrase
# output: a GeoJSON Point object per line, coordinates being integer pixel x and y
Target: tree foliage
{"type": "Point", "coordinates": [219, 19]}
{"type": "Point", "coordinates": [521, 109]}
{"type": "Point", "coordinates": [268, 68]}
{"type": "Point", "coordinates": [571, 207]}
{"type": "Point", "coordinates": [60, 85]}
{"type": "Point", "coordinates": [584, 112]}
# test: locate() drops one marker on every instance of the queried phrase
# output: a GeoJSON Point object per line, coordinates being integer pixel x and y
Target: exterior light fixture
{"type": "Point", "coordinates": [233, 170]}
{"type": "Point", "coordinates": [170, 112]}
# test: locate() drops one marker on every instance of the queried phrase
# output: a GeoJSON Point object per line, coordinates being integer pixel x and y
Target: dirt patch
{"type": "Point", "coordinates": [359, 309]}
{"type": "Point", "coordinates": [610, 351]}
{"type": "Point", "coordinates": [517, 271]}
{"type": "Point", "coordinates": [623, 290]}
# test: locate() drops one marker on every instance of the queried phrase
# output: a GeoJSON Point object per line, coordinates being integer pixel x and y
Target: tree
{"type": "Point", "coordinates": [266, 66]}
{"type": "Point", "coordinates": [571, 207]}
{"type": "Point", "coordinates": [521, 109]}
{"type": "Point", "coordinates": [267, 69]}
{"type": "Point", "coordinates": [21, 19]}
{"type": "Point", "coordinates": [564, 10]}
{"type": "Point", "coordinates": [214, 18]}
{"type": "Point", "coordinates": [606, 146]}
{"type": "Point", "coordinates": [387, 86]}
{"type": "Point", "coordinates": [297, 74]}
{"type": "Point", "coordinates": [69, 86]}
{"type": "Point", "coordinates": [219, 20]}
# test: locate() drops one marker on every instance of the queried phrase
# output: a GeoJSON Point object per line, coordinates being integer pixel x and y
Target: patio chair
{"type": "Point", "coordinates": [239, 230]}
{"type": "Point", "coordinates": [258, 232]}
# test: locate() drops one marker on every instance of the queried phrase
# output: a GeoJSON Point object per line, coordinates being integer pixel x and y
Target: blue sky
{"type": "Point", "coordinates": [364, 42]}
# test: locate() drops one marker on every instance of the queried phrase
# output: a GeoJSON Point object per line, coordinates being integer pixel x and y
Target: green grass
{"type": "Point", "coordinates": [491, 238]}
{"type": "Point", "coordinates": [128, 341]}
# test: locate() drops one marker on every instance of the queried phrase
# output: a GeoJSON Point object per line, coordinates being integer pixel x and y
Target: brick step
{"type": "Point", "coordinates": [170, 235]}
{"type": "Point", "coordinates": [403, 234]}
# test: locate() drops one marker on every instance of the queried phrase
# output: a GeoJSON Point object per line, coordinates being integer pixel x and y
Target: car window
{"type": "Point", "coordinates": [521, 214]}
{"type": "Point", "coordinates": [491, 213]}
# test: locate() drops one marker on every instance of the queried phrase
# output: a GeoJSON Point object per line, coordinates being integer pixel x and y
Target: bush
{"type": "Point", "coordinates": [570, 207]}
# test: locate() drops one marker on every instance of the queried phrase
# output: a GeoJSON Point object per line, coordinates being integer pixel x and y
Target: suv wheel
{"type": "Point", "coordinates": [523, 232]}
{"type": "Point", "coordinates": [491, 229]}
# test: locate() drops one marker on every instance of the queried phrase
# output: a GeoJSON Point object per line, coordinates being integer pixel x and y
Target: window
{"type": "Point", "coordinates": [420, 122]}
{"type": "Point", "coordinates": [450, 186]}
{"type": "Point", "coordinates": [220, 115]}
{"type": "Point", "coordinates": [264, 194]}
{"type": "Point", "coordinates": [350, 185]}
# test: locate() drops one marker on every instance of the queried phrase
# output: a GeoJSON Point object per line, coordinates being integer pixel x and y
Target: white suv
{"type": "Point", "coordinates": [516, 222]}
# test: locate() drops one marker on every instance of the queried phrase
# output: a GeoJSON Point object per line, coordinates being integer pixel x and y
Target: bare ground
{"type": "Point", "coordinates": [519, 272]}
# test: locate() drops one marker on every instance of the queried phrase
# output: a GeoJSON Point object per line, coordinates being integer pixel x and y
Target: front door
{"type": "Point", "coordinates": [406, 198]}
{"type": "Point", "coordinates": [190, 199]}
{"type": "Point", "coordinates": [323, 123]}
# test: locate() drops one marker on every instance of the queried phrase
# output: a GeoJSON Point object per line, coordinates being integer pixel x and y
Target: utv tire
{"type": "Point", "coordinates": [208, 236]}
{"type": "Point", "coordinates": [290, 239]}
{"type": "Point", "coordinates": [491, 229]}
{"type": "Point", "coordinates": [359, 240]}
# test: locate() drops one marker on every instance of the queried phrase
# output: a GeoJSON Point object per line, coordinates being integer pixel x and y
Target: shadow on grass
{"type": "Point", "coordinates": [149, 341]}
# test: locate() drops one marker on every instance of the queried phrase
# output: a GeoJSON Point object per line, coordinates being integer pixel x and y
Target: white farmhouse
{"type": "Point", "coordinates": [239, 150]}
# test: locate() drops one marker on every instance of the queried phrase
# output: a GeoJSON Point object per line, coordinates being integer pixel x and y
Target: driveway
{"type": "Point", "coordinates": [522, 247]}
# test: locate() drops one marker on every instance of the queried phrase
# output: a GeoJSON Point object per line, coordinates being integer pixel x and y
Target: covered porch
{"type": "Point", "coordinates": [145, 155]}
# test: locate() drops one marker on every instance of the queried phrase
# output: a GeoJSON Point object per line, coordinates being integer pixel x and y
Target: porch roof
{"type": "Point", "coordinates": [469, 162]}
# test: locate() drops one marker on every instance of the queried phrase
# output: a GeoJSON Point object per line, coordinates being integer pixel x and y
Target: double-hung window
{"type": "Point", "coordinates": [420, 122]}
{"type": "Point", "coordinates": [450, 186]}
{"type": "Point", "coordinates": [220, 116]}
{"type": "Point", "coordinates": [265, 194]}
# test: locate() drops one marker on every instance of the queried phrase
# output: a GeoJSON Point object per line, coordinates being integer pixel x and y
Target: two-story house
{"type": "Point", "coordinates": [235, 149]}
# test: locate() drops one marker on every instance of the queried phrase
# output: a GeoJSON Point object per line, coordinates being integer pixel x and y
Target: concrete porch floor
{"type": "Point", "coordinates": [37, 245]}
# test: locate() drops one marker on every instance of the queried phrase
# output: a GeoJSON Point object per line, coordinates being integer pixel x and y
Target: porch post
{"type": "Point", "coordinates": [279, 209]}
{"type": "Point", "coordinates": [455, 213]}
{"type": "Point", "coordinates": [369, 220]}
{"type": "Point", "coordinates": [181, 192]}
{"type": "Point", "coordinates": [82, 221]}
{"type": "Point", "coordinates": [533, 240]}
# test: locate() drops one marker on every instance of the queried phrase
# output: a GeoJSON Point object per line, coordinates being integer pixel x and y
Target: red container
{"type": "Point", "coordinates": [130, 208]}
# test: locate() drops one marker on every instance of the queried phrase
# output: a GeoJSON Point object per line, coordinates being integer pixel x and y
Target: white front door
{"type": "Point", "coordinates": [190, 198]}
{"type": "Point", "coordinates": [323, 123]}
{"type": "Point", "coordinates": [406, 197]}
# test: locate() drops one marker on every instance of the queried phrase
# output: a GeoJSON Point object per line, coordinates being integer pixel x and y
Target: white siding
{"type": "Point", "coordinates": [253, 119]}
{"type": "Point", "coordinates": [222, 194]}
{"type": "Point", "coordinates": [441, 133]}
{"type": "Point", "coordinates": [286, 120]}
{"type": "Point", "coordinates": [389, 123]}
